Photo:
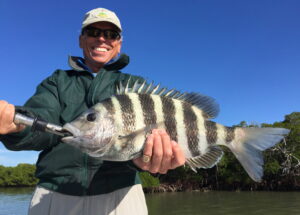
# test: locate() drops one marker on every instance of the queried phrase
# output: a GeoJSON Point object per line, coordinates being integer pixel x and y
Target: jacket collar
{"type": "Point", "coordinates": [74, 63]}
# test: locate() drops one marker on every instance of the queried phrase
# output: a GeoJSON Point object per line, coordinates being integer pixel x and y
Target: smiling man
{"type": "Point", "coordinates": [101, 42]}
{"type": "Point", "coordinates": [70, 181]}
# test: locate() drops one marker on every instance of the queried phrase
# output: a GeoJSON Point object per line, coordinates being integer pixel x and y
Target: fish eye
{"type": "Point", "coordinates": [91, 117]}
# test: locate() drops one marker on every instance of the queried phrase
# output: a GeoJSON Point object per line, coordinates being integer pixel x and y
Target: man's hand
{"type": "Point", "coordinates": [160, 154]}
{"type": "Point", "coordinates": [7, 113]}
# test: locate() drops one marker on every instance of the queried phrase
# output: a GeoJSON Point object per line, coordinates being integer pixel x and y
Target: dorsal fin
{"type": "Point", "coordinates": [208, 160]}
{"type": "Point", "coordinates": [205, 103]}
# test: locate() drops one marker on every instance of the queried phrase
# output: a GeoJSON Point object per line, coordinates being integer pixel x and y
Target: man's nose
{"type": "Point", "coordinates": [101, 37]}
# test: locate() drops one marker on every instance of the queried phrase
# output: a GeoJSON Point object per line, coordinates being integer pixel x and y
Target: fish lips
{"type": "Point", "coordinates": [76, 137]}
{"type": "Point", "coordinates": [72, 133]}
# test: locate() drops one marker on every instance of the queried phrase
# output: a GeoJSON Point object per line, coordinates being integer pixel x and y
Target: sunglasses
{"type": "Point", "coordinates": [106, 33]}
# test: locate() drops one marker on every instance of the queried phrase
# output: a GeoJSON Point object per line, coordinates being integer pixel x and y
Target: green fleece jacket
{"type": "Point", "coordinates": [59, 99]}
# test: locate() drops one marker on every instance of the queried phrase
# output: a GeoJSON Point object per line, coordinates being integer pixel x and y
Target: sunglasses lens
{"type": "Point", "coordinates": [96, 32]}
{"type": "Point", "coordinates": [111, 34]}
{"type": "Point", "coordinates": [90, 32]}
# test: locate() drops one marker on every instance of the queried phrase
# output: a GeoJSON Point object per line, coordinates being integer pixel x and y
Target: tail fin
{"type": "Point", "coordinates": [248, 145]}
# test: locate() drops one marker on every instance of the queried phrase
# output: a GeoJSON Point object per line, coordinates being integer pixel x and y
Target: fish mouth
{"type": "Point", "coordinates": [65, 133]}
{"type": "Point", "coordinates": [73, 134]}
{"type": "Point", "coordinates": [70, 132]}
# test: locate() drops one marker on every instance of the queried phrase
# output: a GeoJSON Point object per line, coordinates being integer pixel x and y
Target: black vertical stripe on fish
{"type": "Point", "coordinates": [169, 117]}
{"type": "Point", "coordinates": [128, 115]}
{"type": "Point", "coordinates": [107, 103]}
{"type": "Point", "coordinates": [149, 114]}
{"type": "Point", "coordinates": [211, 132]}
{"type": "Point", "coordinates": [191, 129]}
{"type": "Point", "coordinates": [229, 134]}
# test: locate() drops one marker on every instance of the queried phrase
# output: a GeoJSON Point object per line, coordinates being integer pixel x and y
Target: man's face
{"type": "Point", "coordinates": [97, 50]}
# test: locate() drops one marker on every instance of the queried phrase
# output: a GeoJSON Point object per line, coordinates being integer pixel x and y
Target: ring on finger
{"type": "Point", "coordinates": [146, 158]}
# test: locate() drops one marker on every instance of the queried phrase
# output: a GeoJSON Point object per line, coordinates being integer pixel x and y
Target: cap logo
{"type": "Point", "coordinates": [102, 15]}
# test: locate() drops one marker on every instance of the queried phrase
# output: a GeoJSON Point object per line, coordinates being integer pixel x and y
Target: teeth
{"type": "Point", "coordinates": [101, 49]}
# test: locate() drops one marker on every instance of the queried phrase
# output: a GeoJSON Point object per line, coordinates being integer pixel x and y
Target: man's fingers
{"type": "Point", "coordinates": [178, 156]}
{"type": "Point", "coordinates": [157, 152]}
{"type": "Point", "coordinates": [141, 164]}
{"type": "Point", "coordinates": [7, 112]}
{"type": "Point", "coordinates": [167, 152]}
{"type": "Point", "coordinates": [148, 147]}
{"type": "Point", "coordinates": [3, 105]}
{"type": "Point", "coordinates": [160, 154]}
{"type": "Point", "coordinates": [144, 162]}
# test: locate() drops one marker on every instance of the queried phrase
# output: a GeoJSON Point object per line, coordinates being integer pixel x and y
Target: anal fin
{"type": "Point", "coordinates": [207, 160]}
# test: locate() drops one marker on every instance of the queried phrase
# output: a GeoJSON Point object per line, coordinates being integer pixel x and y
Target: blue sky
{"type": "Point", "coordinates": [245, 54]}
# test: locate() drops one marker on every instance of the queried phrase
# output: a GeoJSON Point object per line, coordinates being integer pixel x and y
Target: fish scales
{"type": "Point", "coordinates": [149, 111]}
{"type": "Point", "coordinates": [191, 129]}
{"type": "Point", "coordinates": [128, 113]}
{"type": "Point", "coordinates": [138, 111]}
{"type": "Point", "coordinates": [117, 114]}
{"type": "Point", "coordinates": [202, 140]}
{"type": "Point", "coordinates": [140, 123]}
{"type": "Point", "coordinates": [158, 109]}
{"type": "Point", "coordinates": [229, 134]}
{"type": "Point", "coordinates": [120, 104]}
{"type": "Point", "coordinates": [211, 132]}
{"type": "Point", "coordinates": [122, 110]}
{"type": "Point", "coordinates": [122, 122]}
{"type": "Point", "coordinates": [180, 126]}
{"type": "Point", "coordinates": [169, 113]}
{"type": "Point", "coordinates": [221, 134]}
{"type": "Point", "coordinates": [109, 106]}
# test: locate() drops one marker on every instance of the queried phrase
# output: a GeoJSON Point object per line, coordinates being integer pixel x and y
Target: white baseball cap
{"type": "Point", "coordinates": [101, 15]}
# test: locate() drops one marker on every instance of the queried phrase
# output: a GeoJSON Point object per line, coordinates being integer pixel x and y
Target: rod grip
{"type": "Point", "coordinates": [37, 124]}
{"type": "Point", "coordinates": [23, 120]}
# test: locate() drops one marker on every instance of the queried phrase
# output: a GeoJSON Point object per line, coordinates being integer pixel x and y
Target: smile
{"type": "Point", "coordinates": [101, 49]}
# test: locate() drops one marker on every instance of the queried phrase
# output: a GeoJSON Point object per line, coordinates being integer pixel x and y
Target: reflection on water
{"type": "Point", "coordinates": [16, 191]}
{"type": "Point", "coordinates": [15, 201]}
{"type": "Point", "coordinates": [225, 203]}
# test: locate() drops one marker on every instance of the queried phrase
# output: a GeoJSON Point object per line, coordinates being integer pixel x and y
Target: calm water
{"type": "Point", "coordinates": [15, 202]}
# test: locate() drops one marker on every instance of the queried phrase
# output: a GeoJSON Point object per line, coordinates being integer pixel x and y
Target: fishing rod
{"type": "Point", "coordinates": [38, 124]}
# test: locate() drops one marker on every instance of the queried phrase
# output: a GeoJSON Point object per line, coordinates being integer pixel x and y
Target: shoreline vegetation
{"type": "Point", "coordinates": [281, 169]}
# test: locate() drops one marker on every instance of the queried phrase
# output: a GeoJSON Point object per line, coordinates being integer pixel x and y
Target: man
{"type": "Point", "coordinates": [71, 182]}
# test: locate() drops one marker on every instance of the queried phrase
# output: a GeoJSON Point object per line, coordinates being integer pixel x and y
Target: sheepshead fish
{"type": "Point", "coordinates": [116, 128]}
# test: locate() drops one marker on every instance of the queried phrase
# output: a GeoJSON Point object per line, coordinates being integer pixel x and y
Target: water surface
{"type": "Point", "coordinates": [15, 201]}
{"type": "Point", "coordinates": [224, 203]}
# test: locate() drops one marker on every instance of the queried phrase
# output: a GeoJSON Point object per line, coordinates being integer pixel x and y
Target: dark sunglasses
{"type": "Point", "coordinates": [97, 32]}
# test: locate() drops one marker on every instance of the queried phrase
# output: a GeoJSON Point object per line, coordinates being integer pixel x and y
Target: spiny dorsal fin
{"type": "Point", "coordinates": [208, 160]}
{"type": "Point", "coordinates": [205, 103]}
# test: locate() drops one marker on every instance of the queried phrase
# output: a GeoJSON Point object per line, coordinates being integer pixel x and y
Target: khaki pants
{"type": "Point", "coordinates": [129, 200]}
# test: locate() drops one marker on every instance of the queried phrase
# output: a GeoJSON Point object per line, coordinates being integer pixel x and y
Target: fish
{"type": "Point", "coordinates": [116, 128]}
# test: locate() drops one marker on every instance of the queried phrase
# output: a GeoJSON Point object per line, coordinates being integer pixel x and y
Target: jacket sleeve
{"type": "Point", "coordinates": [44, 104]}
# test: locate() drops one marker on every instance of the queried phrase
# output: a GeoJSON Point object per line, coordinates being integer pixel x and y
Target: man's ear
{"type": "Point", "coordinates": [120, 46]}
{"type": "Point", "coordinates": [80, 41]}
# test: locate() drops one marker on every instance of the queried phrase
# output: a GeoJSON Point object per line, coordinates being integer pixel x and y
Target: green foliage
{"type": "Point", "coordinates": [21, 175]}
{"type": "Point", "coordinates": [272, 167]}
{"type": "Point", "coordinates": [293, 118]}
{"type": "Point", "coordinates": [281, 169]}
{"type": "Point", "coordinates": [148, 180]}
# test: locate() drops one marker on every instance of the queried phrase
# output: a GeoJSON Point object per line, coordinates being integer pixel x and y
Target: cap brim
{"type": "Point", "coordinates": [92, 21]}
